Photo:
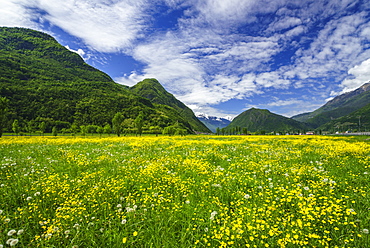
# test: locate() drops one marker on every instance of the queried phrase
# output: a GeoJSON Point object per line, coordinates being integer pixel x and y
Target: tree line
{"type": "Point", "coordinates": [119, 125]}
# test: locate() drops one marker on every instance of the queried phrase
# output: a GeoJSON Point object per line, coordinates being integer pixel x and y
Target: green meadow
{"type": "Point", "coordinates": [193, 191]}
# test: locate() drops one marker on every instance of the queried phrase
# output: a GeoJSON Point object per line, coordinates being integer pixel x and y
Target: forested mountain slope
{"type": "Point", "coordinates": [45, 82]}
{"type": "Point", "coordinates": [340, 106]}
{"type": "Point", "coordinates": [263, 120]}
{"type": "Point", "coordinates": [154, 91]}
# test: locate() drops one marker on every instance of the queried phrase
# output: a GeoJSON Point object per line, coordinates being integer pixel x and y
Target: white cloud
{"type": "Point", "coordinates": [272, 79]}
{"type": "Point", "coordinates": [206, 59]}
{"type": "Point", "coordinates": [105, 26]}
{"type": "Point", "coordinates": [338, 47]}
{"type": "Point", "coordinates": [14, 14]}
{"type": "Point", "coordinates": [288, 102]}
{"type": "Point", "coordinates": [284, 23]}
{"type": "Point", "coordinates": [360, 75]}
{"type": "Point", "coordinates": [80, 52]}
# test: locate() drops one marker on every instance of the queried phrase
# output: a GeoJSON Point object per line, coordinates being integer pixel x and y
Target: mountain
{"type": "Point", "coordinates": [358, 120]}
{"type": "Point", "coordinates": [154, 91]}
{"type": "Point", "coordinates": [45, 82]}
{"type": "Point", "coordinates": [213, 122]}
{"type": "Point", "coordinates": [341, 105]}
{"type": "Point", "coordinates": [263, 120]}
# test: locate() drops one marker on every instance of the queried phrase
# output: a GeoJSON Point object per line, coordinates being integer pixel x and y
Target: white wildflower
{"type": "Point", "coordinates": [119, 206]}
{"type": "Point", "coordinates": [123, 221]}
{"type": "Point", "coordinates": [67, 232]}
{"type": "Point", "coordinates": [128, 209]}
{"type": "Point", "coordinates": [20, 232]}
{"type": "Point", "coordinates": [1, 211]}
{"type": "Point", "coordinates": [11, 232]}
{"type": "Point", "coordinates": [187, 202]}
{"type": "Point", "coordinates": [213, 214]}
{"type": "Point", "coordinates": [306, 188]}
{"type": "Point", "coordinates": [28, 198]}
{"type": "Point", "coordinates": [247, 196]}
{"type": "Point", "coordinates": [12, 242]}
{"type": "Point", "coordinates": [366, 231]}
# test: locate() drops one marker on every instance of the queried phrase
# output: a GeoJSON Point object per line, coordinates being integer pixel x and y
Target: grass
{"type": "Point", "coordinates": [195, 191]}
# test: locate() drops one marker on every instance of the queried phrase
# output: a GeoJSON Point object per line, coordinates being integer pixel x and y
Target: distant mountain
{"type": "Point", "coordinates": [213, 122]}
{"type": "Point", "coordinates": [45, 82]}
{"type": "Point", "coordinates": [358, 120]}
{"type": "Point", "coordinates": [341, 105]}
{"type": "Point", "coordinates": [263, 120]}
{"type": "Point", "coordinates": [154, 91]}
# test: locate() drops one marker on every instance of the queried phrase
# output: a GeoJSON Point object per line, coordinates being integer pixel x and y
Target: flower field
{"type": "Point", "coordinates": [195, 191]}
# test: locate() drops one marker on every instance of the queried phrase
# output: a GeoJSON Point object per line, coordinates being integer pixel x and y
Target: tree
{"type": "Point", "coordinates": [54, 131]}
{"type": "Point", "coordinates": [245, 130]}
{"type": "Point", "coordinates": [155, 130]}
{"type": "Point", "coordinates": [15, 127]}
{"type": "Point", "coordinates": [218, 131]}
{"type": "Point", "coordinates": [139, 121]}
{"type": "Point", "coordinates": [74, 129]}
{"type": "Point", "coordinates": [3, 111]}
{"type": "Point", "coordinates": [31, 126]}
{"type": "Point", "coordinates": [128, 125]}
{"type": "Point", "coordinates": [107, 129]}
{"type": "Point", "coordinates": [117, 123]}
{"type": "Point", "coordinates": [42, 127]}
{"type": "Point", "coordinates": [100, 130]}
{"type": "Point", "coordinates": [170, 130]}
{"type": "Point", "coordinates": [91, 128]}
{"type": "Point", "coordinates": [83, 129]}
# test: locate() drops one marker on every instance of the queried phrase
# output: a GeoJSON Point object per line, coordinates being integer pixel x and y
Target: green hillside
{"type": "Point", "coordinates": [154, 91]}
{"type": "Point", "coordinates": [340, 106]}
{"type": "Point", "coordinates": [45, 82]}
{"type": "Point", "coordinates": [257, 120]}
{"type": "Point", "coordinates": [358, 120]}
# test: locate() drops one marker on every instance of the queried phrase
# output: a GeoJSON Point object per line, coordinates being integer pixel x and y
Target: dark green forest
{"type": "Point", "coordinates": [47, 85]}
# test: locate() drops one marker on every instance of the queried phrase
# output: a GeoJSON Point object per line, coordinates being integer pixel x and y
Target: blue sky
{"type": "Point", "coordinates": [219, 57]}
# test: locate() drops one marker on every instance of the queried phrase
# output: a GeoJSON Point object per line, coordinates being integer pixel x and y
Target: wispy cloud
{"type": "Point", "coordinates": [360, 74]}
{"type": "Point", "coordinates": [14, 14]}
{"type": "Point", "coordinates": [105, 26]}
{"type": "Point", "coordinates": [220, 50]}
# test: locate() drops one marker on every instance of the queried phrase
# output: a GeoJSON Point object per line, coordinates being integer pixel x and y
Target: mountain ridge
{"type": "Point", "coordinates": [257, 120]}
{"type": "Point", "coordinates": [46, 82]}
{"type": "Point", "coordinates": [151, 89]}
{"type": "Point", "coordinates": [339, 106]}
